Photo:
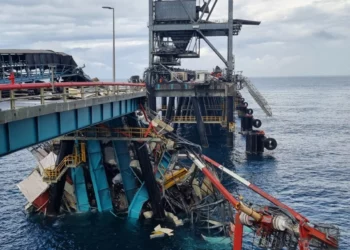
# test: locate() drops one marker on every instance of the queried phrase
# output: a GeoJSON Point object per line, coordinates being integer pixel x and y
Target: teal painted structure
{"type": "Point", "coordinates": [80, 189]}
{"type": "Point", "coordinates": [166, 159]}
{"type": "Point", "coordinates": [123, 158]}
{"type": "Point", "coordinates": [98, 176]}
{"type": "Point", "coordinates": [38, 127]}
{"type": "Point", "coordinates": [140, 198]}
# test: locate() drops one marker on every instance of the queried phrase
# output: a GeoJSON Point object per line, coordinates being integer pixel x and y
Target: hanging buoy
{"type": "Point", "coordinates": [270, 144]}
{"type": "Point", "coordinates": [257, 123]}
{"type": "Point", "coordinates": [250, 111]}
{"type": "Point", "coordinates": [245, 104]}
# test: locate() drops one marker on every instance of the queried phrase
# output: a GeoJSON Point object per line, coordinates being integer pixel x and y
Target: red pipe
{"type": "Point", "coordinates": [238, 235]}
{"type": "Point", "coordinates": [66, 84]}
{"type": "Point", "coordinates": [306, 231]}
{"type": "Point", "coordinates": [263, 193]}
{"type": "Point", "coordinates": [220, 187]}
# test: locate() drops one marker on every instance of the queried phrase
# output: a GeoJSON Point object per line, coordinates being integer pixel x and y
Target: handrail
{"type": "Point", "coordinates": [204, 118]}
{"type": "Point", "coordinates": [74, 160]}
{"type": "Point", "coordinates": [121, 132]}
{"type": "Point", "coordinates": [66, 84]}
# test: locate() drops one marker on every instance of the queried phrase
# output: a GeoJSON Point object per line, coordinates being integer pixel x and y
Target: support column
{"type": "Point", "coordinates": [229, 116]}
{"type": "Point", "coordinates": [189, 107]}
{"type": "Point", "coordinates": [163, 104]}
{"type": "Point", "coordinates": [200, 124]}
{"type": "Point", "coordinates": [180, 101]}
{"type": "Point", "coordinates": [204, 113]}
{"type": "Point", "coordinates": [170, 108]}
{"type": "Point", "coordinates": [230, 42]}
{"type": "Point", "coordinates": [150, 181]}
{"type": "Point", "coordinates": [57, 189]}
{"type": "Point", "coordinates": [98, 176]}
{"type": "Point", "coordinates": [152, 103]}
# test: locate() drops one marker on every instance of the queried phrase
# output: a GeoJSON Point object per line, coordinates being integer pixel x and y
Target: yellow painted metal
{"type": "Point", "coordinates": [232, 126]}
{"type": "Point", "coordinates": [192, 119]}
{"type": "Point", "coordinates": [70, 161]}
{"type": "Point", "coordinates": [170, 179]}
{"type": "Point", "coordinates": [120, 132]}
{"type": "Point", "coordinates": [83, 152]}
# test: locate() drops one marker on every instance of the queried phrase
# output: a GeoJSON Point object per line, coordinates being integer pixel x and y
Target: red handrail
{"type": "Point", "coordinates": [66, 84]}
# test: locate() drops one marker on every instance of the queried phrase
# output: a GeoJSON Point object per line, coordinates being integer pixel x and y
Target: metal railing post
{"type": "Point", "coordinates": [12, 99]}
{"type": "Point", "coordinates": [64, 94]}
{"type": "Point", "coordinates": [114, 90]}
{"type": "Point", "coordinates": [82, 93]}
{"type": "Point", "coordinates": [42, 96]}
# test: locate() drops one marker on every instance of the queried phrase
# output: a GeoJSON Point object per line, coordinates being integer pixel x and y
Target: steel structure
{"type": "Point", "coordinates": [176, 28]}
{"type": "Point", "coordinates": [29, 66]}
{"type": "Point", "coordinates": [27, 126]}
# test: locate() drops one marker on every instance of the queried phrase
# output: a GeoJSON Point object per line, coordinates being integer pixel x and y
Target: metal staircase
{"type": "Point", "coordinates": [260, 100]}
{"type": "Point", "coordinates": [70, 161]}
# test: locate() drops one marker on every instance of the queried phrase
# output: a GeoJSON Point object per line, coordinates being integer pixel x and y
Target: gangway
{"type": "Point", "coordinates": [260, 100]}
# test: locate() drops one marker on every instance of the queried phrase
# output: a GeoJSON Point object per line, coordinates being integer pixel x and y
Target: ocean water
{"type": "Point", "coordinates": [309, 170]}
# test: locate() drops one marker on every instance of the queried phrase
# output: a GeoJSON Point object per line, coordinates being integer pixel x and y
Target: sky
{"type": "Point", "coordinates": [295, 38]}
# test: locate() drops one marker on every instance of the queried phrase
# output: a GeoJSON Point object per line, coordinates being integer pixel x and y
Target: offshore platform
{"type": "Point", "coordinates": [115, 154]}
{"type": "Point", "coordinates": [209, 99]}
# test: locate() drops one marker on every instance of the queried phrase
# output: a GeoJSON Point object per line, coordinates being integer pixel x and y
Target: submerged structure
{"type": "Point", "coordinates": [117, 152]}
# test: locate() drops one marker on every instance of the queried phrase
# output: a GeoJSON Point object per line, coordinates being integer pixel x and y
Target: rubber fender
{"type": "Point", "coordinates": [270, 144]}
{"type": "Point", "coordinates": [250, 112]}
{"type": "Point", "coordinates": [257, 123]}
{"type": "Point", "coordinates": [245, 104]}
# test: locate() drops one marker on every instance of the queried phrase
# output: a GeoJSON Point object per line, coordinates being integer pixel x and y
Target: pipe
{"type": "Point", "coordinates": [254, 188]}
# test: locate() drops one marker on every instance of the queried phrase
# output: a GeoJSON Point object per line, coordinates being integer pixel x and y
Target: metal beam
{"type": "Point", "coordinates": [213, 47]}
{"type": "Point", "coordinates": [188, 14]}
{"type": "Point", "coordinates": [230, 42]}
{"type": "Point", "coordinates": [191, 26]}
{"type": "Point", "coordinates": [85, 138]}
{"type": "Point", "coordinates": [203, 11]}
{"type": "Point", "coordinates": [189, 93]}
{"type": "Point", "coordinates": [150, 27]}
{"type": "Point", "coordinates": [211, 11]}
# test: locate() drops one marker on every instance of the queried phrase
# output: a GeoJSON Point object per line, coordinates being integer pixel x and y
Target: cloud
{"type": "Point", "coordinates": [296, 37]}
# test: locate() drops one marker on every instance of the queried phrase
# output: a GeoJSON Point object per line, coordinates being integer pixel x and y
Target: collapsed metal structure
{"type": "Point", "coordinates": [30, 66]}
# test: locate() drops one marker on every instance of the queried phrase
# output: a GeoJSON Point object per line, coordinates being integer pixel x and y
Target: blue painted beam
{"type": "Point", "coordinates": [98, 176]}
{"type": "Point", "coordinates": [139, 199]}
{"type": "Point", "coordinates": [80, 189]}
{"type": "Point", "coordinates": [123, 158]}
{"type": "Point", "coordinates": [165, 163]}
{"type": "Point", "coordinates": [19, 134]}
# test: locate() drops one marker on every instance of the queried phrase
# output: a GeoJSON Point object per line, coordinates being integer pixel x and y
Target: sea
{"type": "Point", "coordinates": [309, 171]}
